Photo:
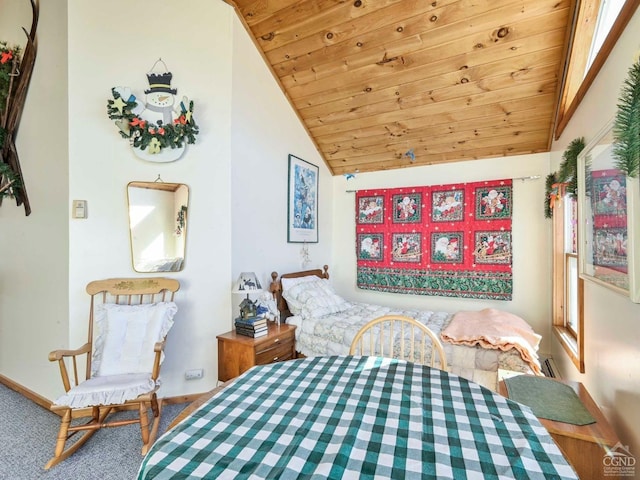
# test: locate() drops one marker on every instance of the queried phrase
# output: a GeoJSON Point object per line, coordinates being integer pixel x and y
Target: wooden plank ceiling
{"type": "Point", "coordinates": [384, 84]}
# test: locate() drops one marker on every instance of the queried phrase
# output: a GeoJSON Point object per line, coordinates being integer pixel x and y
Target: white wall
{"type": "Point", "coordinates": [236, 172]}
{"type": "Point", "coordinates": [71, 150]}
{"type": "Point", "coordinates": [265, 130]}
{"type": "Point", "coordinates": [531, 254]}
{"type": "Point", "coordinates": [101, 163]}
{"type": "Point", "coordinates": [611, 321]}
{"type": "Point", "coordinates": [34, 267]}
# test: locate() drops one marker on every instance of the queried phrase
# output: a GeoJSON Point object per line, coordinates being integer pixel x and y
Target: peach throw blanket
{"type": "Point", "coordinates": [495, 329]}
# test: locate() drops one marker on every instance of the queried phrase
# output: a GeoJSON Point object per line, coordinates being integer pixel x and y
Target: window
{"type": "Point", "coordinates": [572, 311]}
{"type": "Point", "coordinates": [609, 10]}
{"type": "Point", "coordinates": [597, 27]}
{"type": "Point", "coordinates": [567, 289]}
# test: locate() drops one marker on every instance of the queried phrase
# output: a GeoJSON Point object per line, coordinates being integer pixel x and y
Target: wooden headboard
{"type": "Point", "coordinates": [276, 287]}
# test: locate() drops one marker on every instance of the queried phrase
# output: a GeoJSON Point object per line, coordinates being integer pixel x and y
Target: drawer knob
{"type": "Point", "coordinates": [276, 340]}
{"type": "Point", "coordinates": [275, 359]}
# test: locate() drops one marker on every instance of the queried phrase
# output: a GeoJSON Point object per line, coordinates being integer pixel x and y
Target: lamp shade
{"type": "Point", "coordinates": [247, 283]}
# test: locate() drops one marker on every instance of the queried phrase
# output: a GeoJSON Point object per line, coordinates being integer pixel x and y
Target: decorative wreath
{"type": "Point", "coordinates": [9, 61]}
{"type": "Point", "coordinates": [149, 136]}
{"type": "Point", "coordinates": [626, 125]}
{"type": "Point", "coordinates": [7, 57]}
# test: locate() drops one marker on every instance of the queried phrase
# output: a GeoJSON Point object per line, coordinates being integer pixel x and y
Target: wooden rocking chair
{"type": "Point", "coordinates": [131, 317]}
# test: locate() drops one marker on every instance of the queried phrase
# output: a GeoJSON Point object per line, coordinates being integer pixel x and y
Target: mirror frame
{"type": "Point", "coordinates": [598, 154]}
{"type": "Point", "coordinates": [166, 187]}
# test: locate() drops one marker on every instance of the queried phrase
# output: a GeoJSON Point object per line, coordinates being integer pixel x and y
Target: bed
{"type": "Point", "coordinates": [159, 265]}
{"type": "Point", "coordinates": [326, 325]}
{"type": "Point", "coordinates": [348, 417]}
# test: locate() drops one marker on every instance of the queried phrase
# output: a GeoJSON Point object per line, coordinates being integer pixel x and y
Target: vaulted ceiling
{"type": "Point", "coordinates": [384, 84]}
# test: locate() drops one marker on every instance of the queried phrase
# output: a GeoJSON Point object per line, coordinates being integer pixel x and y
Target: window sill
{"type": "Point", "coordinates": [571, 347]}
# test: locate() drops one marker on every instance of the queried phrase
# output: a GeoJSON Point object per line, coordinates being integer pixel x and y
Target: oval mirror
{"type": "Point", "coordinates": [157, 225]}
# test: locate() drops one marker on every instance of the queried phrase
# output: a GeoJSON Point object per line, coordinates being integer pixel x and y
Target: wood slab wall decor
{"type": "Point", "coordinates": [10, 116]}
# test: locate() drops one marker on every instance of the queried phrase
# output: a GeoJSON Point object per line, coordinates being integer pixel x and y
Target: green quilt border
{"type": "Point", "coordinates": [462, 284]}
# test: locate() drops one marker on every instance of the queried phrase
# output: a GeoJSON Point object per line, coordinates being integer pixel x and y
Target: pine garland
{"type": "Point", "coordinates": [567, 174]}
{"type": "Point", "coordinates": [549, 182]}
{"type": "Point", "coordinates": [145, 135]}
{"type": "Point", "coordinates": [8, 56]}
{"type": "Point", "coordinates": [626, 126]}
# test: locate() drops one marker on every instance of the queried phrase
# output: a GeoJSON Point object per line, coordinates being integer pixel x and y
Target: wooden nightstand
{"type": "Point", "coordinates": [238, 353]}
{"type": "Point", "coordinates": [584, 446]}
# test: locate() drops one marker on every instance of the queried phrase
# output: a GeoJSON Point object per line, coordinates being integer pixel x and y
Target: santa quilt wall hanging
{"type": "Point", "coordinates": [446, 240]}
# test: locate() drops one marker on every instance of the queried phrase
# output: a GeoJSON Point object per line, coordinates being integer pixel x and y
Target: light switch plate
{"type": "Point", "coordinates": [79, 209]}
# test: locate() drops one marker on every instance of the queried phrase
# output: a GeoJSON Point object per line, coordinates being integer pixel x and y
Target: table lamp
{"type": "Point", "coordinates": [247, 283]}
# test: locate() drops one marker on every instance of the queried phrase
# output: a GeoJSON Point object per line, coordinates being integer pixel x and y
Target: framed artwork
{"type": "Point", "coordinates": [302, 210]}
{"type": "Point", "coordinates": [608, 214]}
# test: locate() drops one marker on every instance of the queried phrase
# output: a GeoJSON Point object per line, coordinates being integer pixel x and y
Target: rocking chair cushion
{"type": "Point", "coordinates": [107, 390]}
{"type": "Point", "coordinates": [126, 336]}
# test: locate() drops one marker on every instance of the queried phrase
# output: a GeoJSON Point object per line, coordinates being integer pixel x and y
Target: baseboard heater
{"type": "Point", "coordinates": [549, 368]}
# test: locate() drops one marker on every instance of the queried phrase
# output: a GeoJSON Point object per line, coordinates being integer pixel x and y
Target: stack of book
{"type": "Point", "coordinates": [251, 327]}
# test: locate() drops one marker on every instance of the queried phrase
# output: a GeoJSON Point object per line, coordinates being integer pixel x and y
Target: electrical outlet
{"type": "Point", "coordinates": [194, 374]}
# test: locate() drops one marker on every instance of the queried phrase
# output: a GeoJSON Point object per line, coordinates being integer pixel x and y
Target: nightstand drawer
{"type": "Point", "coordinates": [238, 353]}
{"type": "Point", "coordinates": [277, 353]}
{"type": "Point", "coordinates": [273, 341]}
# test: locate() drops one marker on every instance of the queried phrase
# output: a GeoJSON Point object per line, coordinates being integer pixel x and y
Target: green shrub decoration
{"type": "Point", "coordinates": [626, 125]}
{"type": "Point", "coordinates": [567, 174]}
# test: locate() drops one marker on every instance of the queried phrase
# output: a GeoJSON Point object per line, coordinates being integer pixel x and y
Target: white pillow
{"type": "Point", "coordinates": [295, 306]}
{"type": "Point", "coordinates": [311, 283]}
{"type": "Point", "coordinates": [314, 298]}
{"type": "Point", "coordinates": [126, 335]}
{"type": "Point", "coordinates": [293, 291]}
{"type": "Point", "coordinates": [287, 283]}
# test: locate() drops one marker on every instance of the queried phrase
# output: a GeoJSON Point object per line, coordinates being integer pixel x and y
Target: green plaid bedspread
{"type": "Point", "coordinates": [355, 417]}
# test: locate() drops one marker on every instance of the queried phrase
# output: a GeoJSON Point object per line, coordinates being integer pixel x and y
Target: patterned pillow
{"type": "Point", "coordinates": [319, 307]}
